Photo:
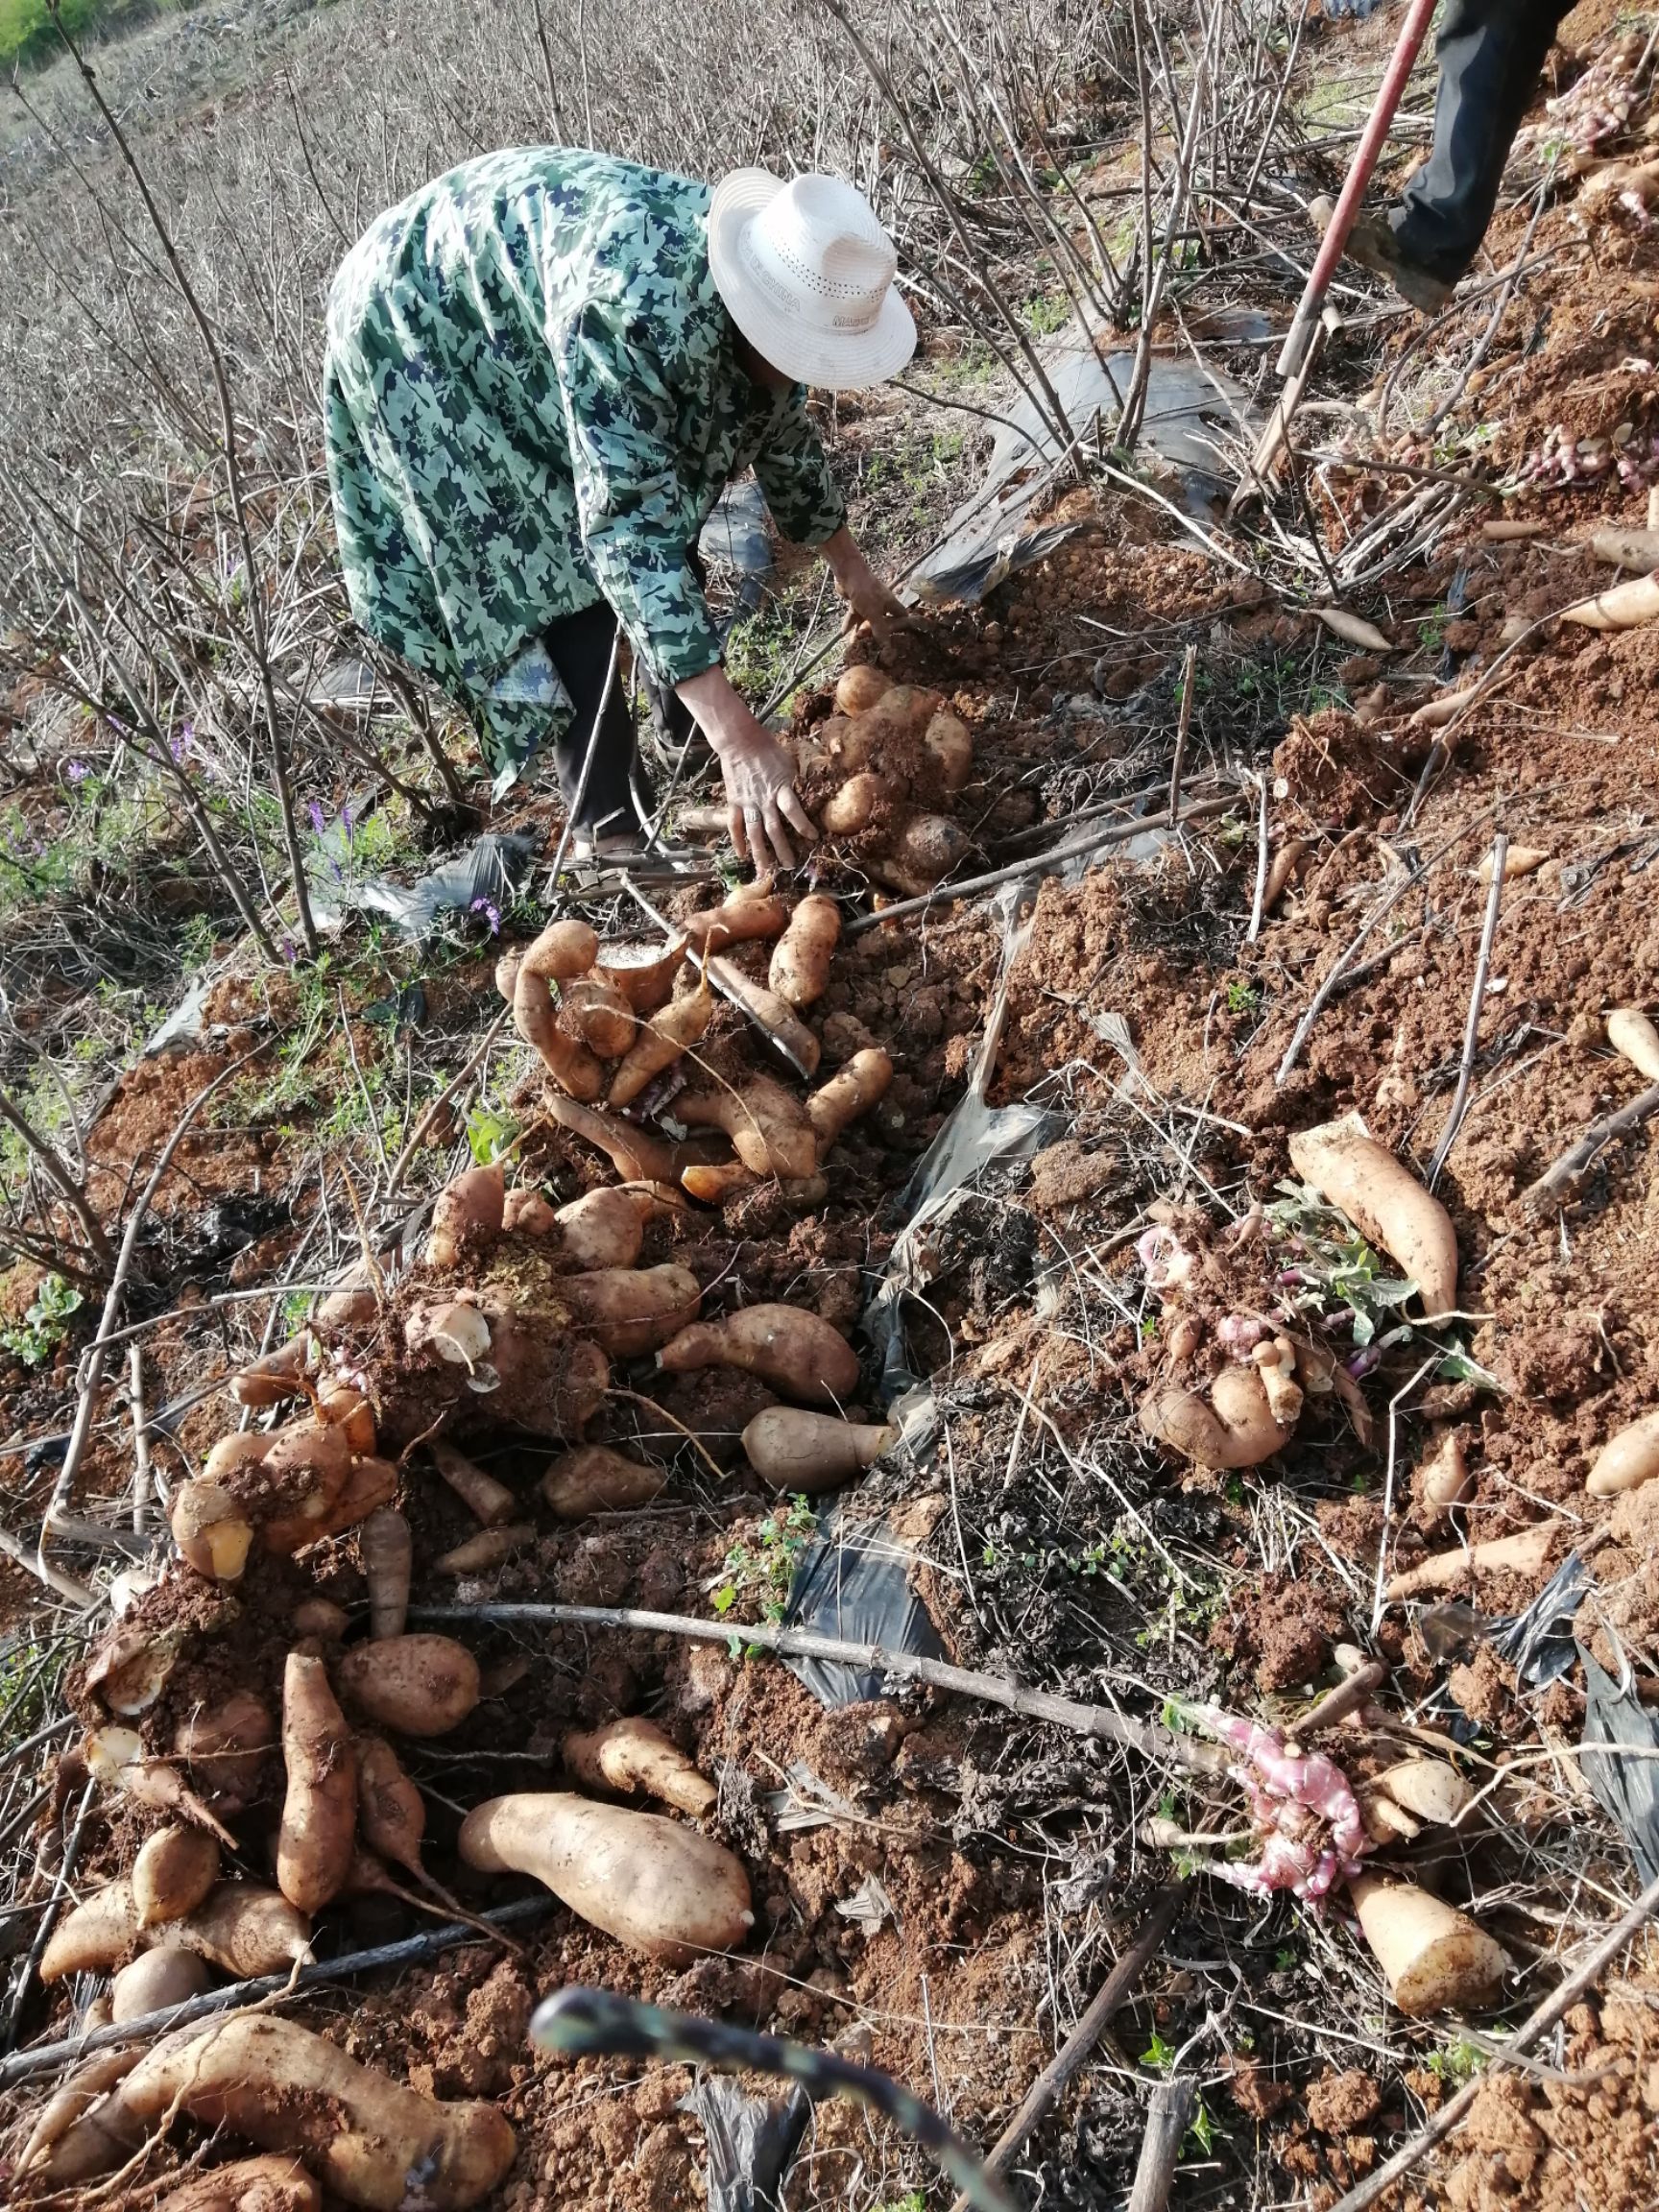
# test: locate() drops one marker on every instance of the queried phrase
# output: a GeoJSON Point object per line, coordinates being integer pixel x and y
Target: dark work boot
{"type": "Point", "coordinates": [1375, 247]}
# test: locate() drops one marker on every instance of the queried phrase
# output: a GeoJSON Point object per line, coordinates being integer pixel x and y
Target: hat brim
{"type": "Point", "coordinates": [835, 361]}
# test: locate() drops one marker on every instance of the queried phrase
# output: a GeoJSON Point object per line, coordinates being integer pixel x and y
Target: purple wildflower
{"type": "Point", "coordinates": [490, 912]}
{"type": "Point", "coordinates": [77, 771]}
{"type": "Point", "coordinates": [319, 820]}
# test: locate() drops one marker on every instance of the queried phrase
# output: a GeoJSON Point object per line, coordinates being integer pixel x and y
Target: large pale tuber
{"type": "Point", "coordinates": [1628, 1459]}
{"type": "Point", "coordinates": [768, 1126]}
{"type": "Point", "coordinates": [320, 1810]}
{"type": "Point", "coordinates": [466, 1215]}
{"type": "Point", "coordinates": [596, 1480]}
{"type": "Point", "coordinates": [1434, 1959]}
{"type": "Point", "coordinates": [812, 1452]}
{"type": "Point", "coordinates": [801, 958]}
{"type": "Point", "coordinates": [662, 1039]}
{"type": "Point", "coordinates": [859, 687]}
{"type": "Point", "coordinates": [240, 1926]}
{"type": "Point", "coordinates": [659, 1889]}
{"type": "Point", "coordinates": [631, 1310]}
{"type": "Point", "coordinates": [1631, 1034]}
{"type": "Point", "coordinates": [368, 2138]}
{"type": "Point", "coordinates": [157, 1979]}
{"type": "Point", "coordinates": [211, 1529]}
{"type": "Point", "coordinates": [851, 811]}
{"type": "Point", "coordinates": [1232, 1427]}
{"type": "Point", "coordinates": [753, 910]}
{"type": "Point", "coordinates": [796, 1352]}
{"type": "Point", "coordinates": [174, 1870]}
{"type": "Point", "coordinates": [1385, 1202]}
{"type": "Point", "coordinates": [604, 1229]}
{"type": "Point", "coordinates": [1445, 1570]}
{"type": "Point", "coordinates": [850, 1092]}
{"type": "Point", "coordinates": [414, 1685]}
{"type": "Point", "coordinates": [951, 748]}
{"type": "Point", "coordinates": [275, 1375]}
{"type": "Point", "coordinates": [928, 848]}
{"type": "Point", "coordinates": [571, 1062]}
{"type": "Point", "coordinates": [633, 1754]}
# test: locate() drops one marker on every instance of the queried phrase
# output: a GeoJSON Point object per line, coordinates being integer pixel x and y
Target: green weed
{"type": "Point", "coordinates": [763, 1571]}
{"type": "Point", "coordinates": [1242, 998]}
{"type": "Point", "coordinates": [44, 1328]}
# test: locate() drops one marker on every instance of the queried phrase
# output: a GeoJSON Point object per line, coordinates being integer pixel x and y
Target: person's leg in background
{"type": "Point", "coordinates": [1491, 53]}
{"type": "Point", "coordinates": [619, 789]}
{"type": "Point", "coordinates": [673, 720]}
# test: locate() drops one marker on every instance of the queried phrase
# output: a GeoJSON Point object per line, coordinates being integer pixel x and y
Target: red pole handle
{"type": "Point", "coordinates": [1412, 33]}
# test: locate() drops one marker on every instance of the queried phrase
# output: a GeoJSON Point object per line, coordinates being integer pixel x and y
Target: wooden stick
{"type": "Point", "coordinates": [1166, 2125]}
{"type": "Point", "coordinates": [1098, 1720]}
{"type": "Point", "coordinates": [1337, 1704]}
{"type": "Point", "coordinates": [1537, 2023]}
{"type": "Point", "coordinates": [1039, 863]}
{"type": "Point", "coordinates": [141, 1477]}
{"type": "Point", "coordinates": [1559, 1178]}
{"type": "Point", "coordinates": [1476, 998]}
{"type": "Point", "coordinates": [1051, 2084]}
{"type": "Point", "coordinates": [1177, 768]}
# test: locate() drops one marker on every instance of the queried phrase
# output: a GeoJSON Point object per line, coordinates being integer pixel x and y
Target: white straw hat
{"type": "Point", "coordinates": [807, 273]}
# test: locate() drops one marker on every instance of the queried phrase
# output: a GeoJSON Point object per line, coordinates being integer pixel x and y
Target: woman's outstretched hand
{"type": "Point", "coordinates": [871, 604]}
{"type": "Point", "coordinates": [758, 771]}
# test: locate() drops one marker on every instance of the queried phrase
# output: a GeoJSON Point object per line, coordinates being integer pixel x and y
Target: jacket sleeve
{"type": "Point", "coordinates": [795, 480]}
{"type": "Point", "coordinates": [630, 501]}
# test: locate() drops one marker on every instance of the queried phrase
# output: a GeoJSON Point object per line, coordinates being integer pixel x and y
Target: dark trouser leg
{"type": "Point", "coordinates": [579, 647]}
{"type": "Point", "coordinates": [1491, 53]}
{"type": "Point", "coordinates": [672, 718]}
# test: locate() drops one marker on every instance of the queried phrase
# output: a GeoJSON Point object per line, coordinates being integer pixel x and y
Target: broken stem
{"type": "Point", "coordinates": [1100, 1722]}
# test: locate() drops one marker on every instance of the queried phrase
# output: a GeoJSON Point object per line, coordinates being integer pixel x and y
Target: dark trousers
{"type": "Point", "coordinates": [1491, 53]}
{"type": "Point", "coordinates": [579, 647]}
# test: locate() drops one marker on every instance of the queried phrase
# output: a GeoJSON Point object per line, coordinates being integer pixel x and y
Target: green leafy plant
{"type": "Point", "coordinates": [762, 1571]}
{"type": "Point", "coordinates": [1203, 2128]}
{"type": "Point", "coordinates": [1242, 998]}
{"type": "Point", "coordinates": [488, 1133]}
{"type": "Point", "coordinates": [1158, 2055]}
{"type": "Point", "coordinates": [44, 1326]}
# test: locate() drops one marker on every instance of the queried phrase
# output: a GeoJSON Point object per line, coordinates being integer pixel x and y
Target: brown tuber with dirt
{"type": "Point", "coordinates": [363, 2135]}
{"type": "Point", "coordinates": [796, 1352]}
{"type": "Point", "coordinates": [1233, 1426]}
{"type": "Point", "coordinates": [795, 1450]}
{"type": "Point", "coordinates": [155, 1981]}
{"type": "Point", "coordinates": [320, 1810]}
{"type": "Point", "coordinates": [596, 1480]}
{"type": "Point", "coordinates": [633, 1754]}
{"type": "Point", "coordinates": [277, 2183]}
{"type": "Point", "coordinates": [421, 1685]}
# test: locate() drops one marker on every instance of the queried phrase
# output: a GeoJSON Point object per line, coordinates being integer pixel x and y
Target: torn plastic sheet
{"type": "Point", "coordinates": [973, 1135]}
{"type": "Point", "coordinates": [752, 2141]}
{"type": "Point", "coordinates": [1538, 1643]}
{"type": "Point", "coordinates": [1617, 1722]}
{"type": "Point", "coordinates": [853, 1581]}
{"type": "Point", "coordinates": [987, 538]}
{"type": "Point", "coordinates": [485, 878]}
{"type": "Point", "coordinates": [183, 1026]}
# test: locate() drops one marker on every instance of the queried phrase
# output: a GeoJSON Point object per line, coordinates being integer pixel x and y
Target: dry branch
{"type": "Point", "coordinates": [1101, 1721]}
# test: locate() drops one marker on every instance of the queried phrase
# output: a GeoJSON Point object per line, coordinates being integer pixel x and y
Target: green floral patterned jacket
{"type": "Point", "coordinates": [532, 401]}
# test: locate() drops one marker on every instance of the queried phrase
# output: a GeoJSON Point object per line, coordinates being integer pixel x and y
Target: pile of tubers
{"type": "Point", "coordinates": [864, 770]}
